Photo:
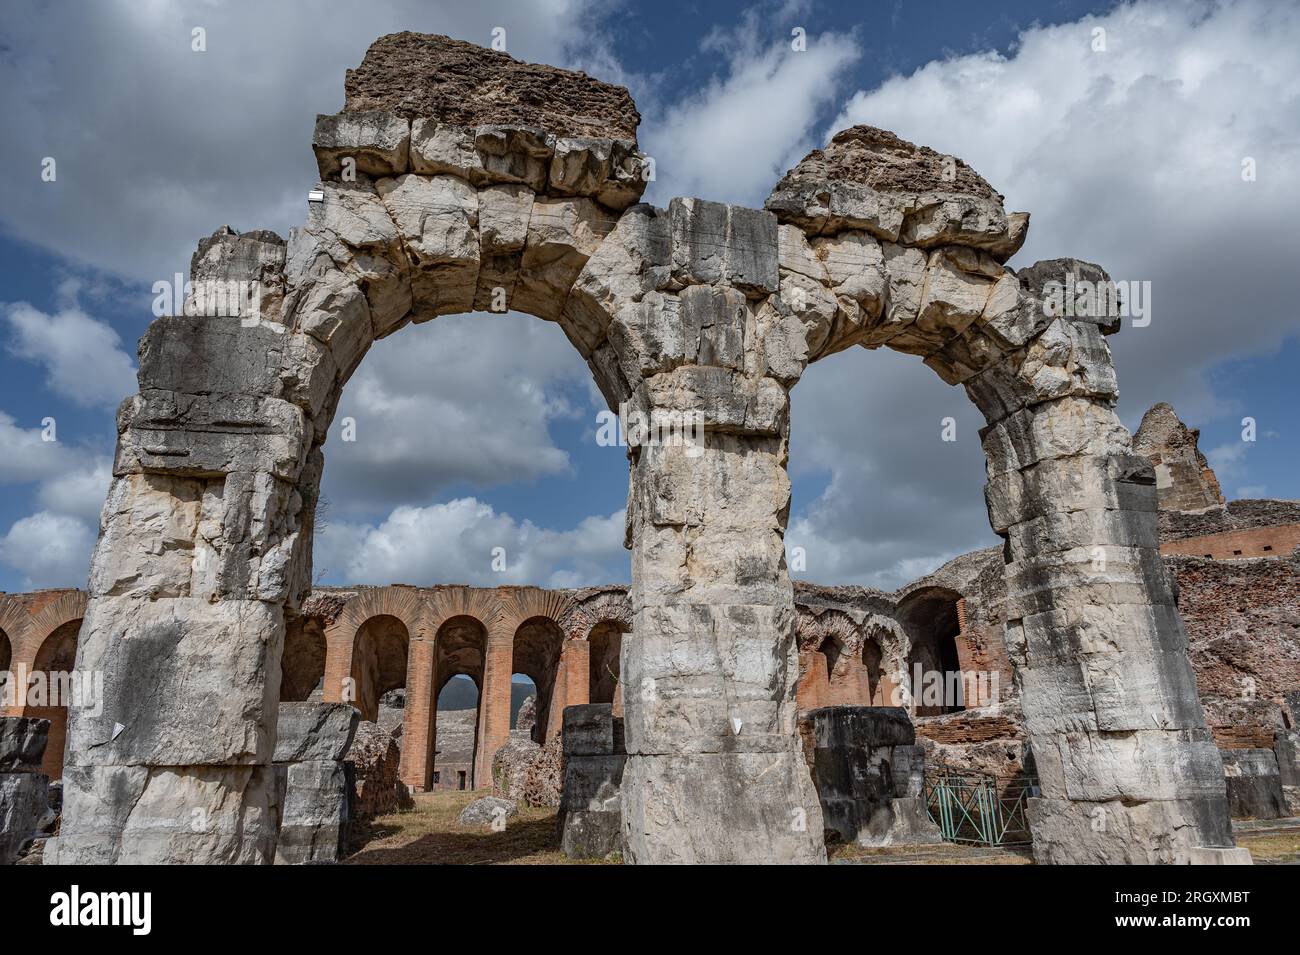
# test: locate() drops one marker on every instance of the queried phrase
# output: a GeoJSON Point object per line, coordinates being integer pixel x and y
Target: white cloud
{"type": "Point", "coordinates": [1130, 158]}
{"type": "Point", "coordinates": [737, 135]}
{"type": "Point", "coordinates": [26, 456]}
{"type": "Point", "coordinates": [82, 357]}
{"type": "Point", "coordinates": [49, 550]}
{"type": "Point", "coordinates": [78, 492]}
{"type": "Point", "coordinates": [463, 400]}
{"type": "Point", "coordinates": [157, 145]}
{"type": "Point", "coordinates": [456, 541]}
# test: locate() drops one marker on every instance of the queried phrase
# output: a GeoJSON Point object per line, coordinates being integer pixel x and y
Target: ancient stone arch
{"type": "Point", "coordinates": [443, 198]}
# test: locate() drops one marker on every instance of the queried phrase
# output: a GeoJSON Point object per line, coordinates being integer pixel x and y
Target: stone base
{"type": "Point", "coordinates": [158, 816]}
{"type": "Point", "coordinates": [588, 834]}
{"type": "Point", "coordinates": [1203, 855]}
{"type": "Point", "coordinates": [1160, 832]}
{"type": "Point", "coordinates": [316, 819]}
{"type": "Point", "coordinates": [904, 822]}
{"type": "Point", "coordinates": [718, 808]}
{"type": "Point", "coordinates": [24, 806]}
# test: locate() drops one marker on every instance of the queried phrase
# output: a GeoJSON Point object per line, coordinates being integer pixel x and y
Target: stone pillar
{"type": "Point", "coordinates": [313, 739]}
{"type": "Point", "coordinates": [1128, 769]}
{"type": "Point", "coordinates": [204, 539]}
{"type": "Point", "coordinates": [713, 773]}
{"type": "Point", "coordinates": [590, 818]}
{"type": "Point", "coordinates": [572, 683]}
{"type": "Point", "coordinates": [418, 727]}
{"type": "Point", "coordinates": [24, 788]}
{"type": "Point", "coordinates": [494, 705]}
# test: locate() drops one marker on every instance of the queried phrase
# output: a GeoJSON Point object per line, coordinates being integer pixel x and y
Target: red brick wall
{"type": "Point", "coordinates": [1277, 541]}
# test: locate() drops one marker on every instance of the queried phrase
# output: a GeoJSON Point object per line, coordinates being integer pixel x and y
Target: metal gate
{"type": "Point", "coordinates": [978, 808]}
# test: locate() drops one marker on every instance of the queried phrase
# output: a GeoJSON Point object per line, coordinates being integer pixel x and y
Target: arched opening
{"type": "Point", "coordinates": [6, 654]}
{"type": "Point", "coordinates": [53, 691]}
{"type": "Point", "coordinates": [378, 661]}
{"type": "Point", "coordinates": [457, 728]}
{"type": "Point", "coordinates": [605, 650]}
{"type": "Point", "coordinates": [302, 665]}
{"type": "Point", "coordinates": [522, 689]}
{"type": "Point", "coordinates": [930, 619]}
{"type": "Point", "coordinates": [460, 653]}
{"type": "Point", "coordinates": [536, 656]}
{"type": "Point", "coordinates": [871, 666]}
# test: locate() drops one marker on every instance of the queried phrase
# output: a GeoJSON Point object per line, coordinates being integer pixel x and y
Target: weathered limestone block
{"type": "Point", "coordinates": [315, 816]}
{"type": "Point", "coordinates": [437, 219]}
{"type": "Point", "coordinates": [1286, 747]}
{"type": "Point", "coordinates": [958, 282]}
{"type": "Point", "coordinates": [1085, 284]}
{"type": "Point", "coordinates": [503, 215]}
{"type": "Point", "coordinates": [1254, 784]}
{"type": "Point", "coordinates": [186, 682]}
{"type": "Point", "coordinates": [863, 768]}
{"type": "Point", "coordinates": [1115, 833]}
{"type": "Point", "coordinates": [22, 743]}
{"type": "Point", "coordinates": [590, 819]}
{"type": "Point", "coordinates": [167, 815]}
{"type": "Point", "coordinates": [309, 730]}
{"type": "Point", "coordinates": [1121, 481]}
{"type": "Point", "coordinates": [206, 435]}
{"type": "Point", "coordinates": [313, 739]}
{"type": "Point", "coordinates": [713, 243]}
{"type": "Point", "coordinates": [515, 154]}
{"type": "Point", "coordinates": [562, 235]}
{"type": "Point", "coordinates": [720, 808]}
{"type": "Point", "coordinates": [24, 811]}
{"type": "Point", "coordinates": [375, 141]}
{"type": "Point", "coordinates": [487, 811]}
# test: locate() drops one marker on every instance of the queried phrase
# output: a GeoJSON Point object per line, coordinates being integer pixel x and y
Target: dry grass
{"type": "Point", "coordinates": [429, 835]}
{"type": "Point", "coordinates": [1272, 846]}
{"type": "Point", "coordinates": [946, 853]}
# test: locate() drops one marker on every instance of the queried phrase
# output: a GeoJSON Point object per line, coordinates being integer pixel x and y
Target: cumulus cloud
{"type": "Point", "coordinates": [463, 400]}
{"type": "Point", "coordinates": [1132, 158]}
{"type": "Point", "coordinates": [78, 492]}
{"type": "Point", "coordinates": [467, 541]}
{"type": "Point", "coordinates": [156, 145]}
{"type": "Point", "coordinates": [733, 139]}
{"type": "Point", "coordinates": [26, 455]}
{"type": "Point", "coordinates": [82, 356]}
{"type": "Point", "coordinates": [49, 550]}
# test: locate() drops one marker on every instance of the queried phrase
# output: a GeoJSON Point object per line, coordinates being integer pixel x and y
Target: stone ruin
{"type": "Point", "coordinates": [457, 179]}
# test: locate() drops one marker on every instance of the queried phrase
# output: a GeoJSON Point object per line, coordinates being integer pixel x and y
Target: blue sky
{"type": "Point", "coordinates": [477, 432]}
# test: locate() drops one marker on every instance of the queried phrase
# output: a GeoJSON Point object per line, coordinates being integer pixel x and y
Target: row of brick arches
{"type": "Point", "coordinates": [38, 653]}
{"type": "Point", "coordinates": [383, 639]}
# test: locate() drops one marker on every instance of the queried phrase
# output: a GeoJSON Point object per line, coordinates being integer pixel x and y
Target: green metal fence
{"type": "Point", "coordinates": [979, 808]}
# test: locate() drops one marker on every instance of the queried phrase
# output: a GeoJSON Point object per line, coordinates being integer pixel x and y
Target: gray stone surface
{"type": "Point", "coordinates": [22, 743]}
{"type": "Point", "coordinates": [314, 731]}
{"type": "Point", "coordinates": [24, 811]}
{"type": "Point", "coordinates": [591, 818]}
{"type": "Point", "coordinates": [488, 811]}
{"type": "Point", "coordinates": [864, 762]}
{"type": "Point", "coordinates": [1254, 784]}
{"type": "Point", "coordinates": [315, 816]}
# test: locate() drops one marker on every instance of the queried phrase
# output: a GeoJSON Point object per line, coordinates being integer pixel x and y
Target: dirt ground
{"type": "Point", "coordinates": [429, 835]}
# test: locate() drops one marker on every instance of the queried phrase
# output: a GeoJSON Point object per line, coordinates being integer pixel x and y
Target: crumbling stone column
{"type": "Point", "coordinates": [591, 806]}
{"type": "Point", "coordinates": [24, 789]}
{"type": "Point", "coordinates": [315, 814]}
{"type": "Point", "coordinates": [911, 243]}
